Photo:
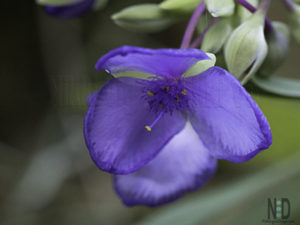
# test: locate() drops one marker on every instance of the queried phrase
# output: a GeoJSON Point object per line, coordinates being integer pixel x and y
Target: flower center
{"type": "Point", "coordinates": [165, 96]}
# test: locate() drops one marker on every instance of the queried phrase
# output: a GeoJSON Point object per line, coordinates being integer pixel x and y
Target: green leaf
{"type": "Point", "coordinates": [144, 18]}
{"type": "Point", "coordinates": [56, 2]}
{"type": "Point", "coordinates": [288, 87]}
{"type": "Point", "coordinates": [239, 202]}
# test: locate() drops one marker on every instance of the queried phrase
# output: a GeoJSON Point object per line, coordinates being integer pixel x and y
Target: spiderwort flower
{"type": "Point", "coordinates": [71, 10]}
{"type": "Point", "coordinates": [161, 135]}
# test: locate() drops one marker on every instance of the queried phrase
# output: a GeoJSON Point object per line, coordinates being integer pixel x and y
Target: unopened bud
{"type": "Point", "coordinates": [216, 36]}
{"type": "Point", "coordinates": [180, 6]}
{"type": "Point", "coordinates": [219, 8]}
{"type": "Point", "coordinates": [143, 18]}
{"type": "Point", "coordinates": [243, 13]}
{"type": "Point", "coordinates": [278, 46]}
{"type": "Point", "coordinates": [56, 2]}
{"type": "Point", "coordinates": [246, 48]}
{"type": "Point", "coordinates": [295, 23]}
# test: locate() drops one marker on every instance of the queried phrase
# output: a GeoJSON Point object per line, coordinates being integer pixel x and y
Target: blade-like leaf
{"type": "Point", "coordinates": [288, 87]}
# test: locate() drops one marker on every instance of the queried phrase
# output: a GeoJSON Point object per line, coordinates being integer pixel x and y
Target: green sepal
{"type": "Point", "coordinates": [134, 74]}
{"type": "Point", "coordinates": [201, 66]}
{"type": "Point", "coordinates": [196, 69]}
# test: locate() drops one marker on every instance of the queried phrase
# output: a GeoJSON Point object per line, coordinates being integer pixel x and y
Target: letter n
{"type": "Point", "coordinates": [271, 208]}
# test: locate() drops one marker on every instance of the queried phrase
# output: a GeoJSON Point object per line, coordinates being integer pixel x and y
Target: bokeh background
{"type": "Point", "coordinates": [46, 174]}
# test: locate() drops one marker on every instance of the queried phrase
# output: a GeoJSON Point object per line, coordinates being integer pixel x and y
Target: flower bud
{"type": "Point", "coordinates": [143, 18]}
{"type": "Point", "coordinates": [180, 6]}
{"type": "Point", "coordinates": [56, 2]}
{"type": "Point", "coordinates": [295, 23]}
{"type": "Point", "coordinates": [216, 36]}
{"type": "Point", "coordinates": [278, 46]}
{"type": "Point", "coordinates": [219, 8]}
{"type": "Point", "coordinates": [246, 48]}
{"type": "Point", "coordinates": [243, 13]}
{"type": "Point", "coordinates": [201, 66]}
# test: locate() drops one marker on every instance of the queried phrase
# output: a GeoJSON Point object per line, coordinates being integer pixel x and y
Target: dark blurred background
{"type": "Point", "coordinates": [46, 175]}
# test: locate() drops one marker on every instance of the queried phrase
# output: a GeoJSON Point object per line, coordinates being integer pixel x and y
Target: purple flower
{"type": "Point", "coordinates": [71, 10]}
{"type": "Point", "coordinates": [161, 135]}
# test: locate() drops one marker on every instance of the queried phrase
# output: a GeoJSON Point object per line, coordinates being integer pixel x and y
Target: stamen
{"type": "Point", "coordinates": [149, 128]}
{"type": "Point", "coordinates": [184, 92]}
{"type": "Point", "coordinates": [177, 99]}
{"type": "Point", "coordinates": [150, 93]}
{"type": "Point", "coordinates": [167, 89]}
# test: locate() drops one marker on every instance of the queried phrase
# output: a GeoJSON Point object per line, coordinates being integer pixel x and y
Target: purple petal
{"type": "Point", "coordinates": [160, 62]}
{"type": "Point", "coordinates": [182, 166]}
{"type": "Point", "coordinates": [226, 118]}
{"type": "Point", "coordinates": [72, 10]}
{"type": "Point", "coordinates": [115, 131]}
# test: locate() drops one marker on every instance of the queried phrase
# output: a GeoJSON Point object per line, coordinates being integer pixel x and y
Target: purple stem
{"type": "Point", "coordinates": [252, 9]}
{"type": "Point", "coordinates": [289, 4]}
{"type": "Point", "coordinates": [192, 25]}
{"type": "Point", "coordinates": [197, 42]}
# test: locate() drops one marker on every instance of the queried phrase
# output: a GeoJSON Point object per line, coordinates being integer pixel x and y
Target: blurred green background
{"type": "Point", "coordinates": [46, 175]}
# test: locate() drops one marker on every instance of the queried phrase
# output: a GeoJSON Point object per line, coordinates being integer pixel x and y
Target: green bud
{"type": "Point", "coordinates": [143, 18]}
{"type": "Point", "coordinates": [202, 23]}
{"type": "Point", "coordinates": [219, 8]}
{"type": "Point", "coordinates": [242, 13]}
{"type": "Point", "coordinates": [201, 66]}
{"type": "Point", "coordinates": [278, 45]}
{"type": "Point", "coordinates": [56, 2]}
{"type": "Point", "coordinates": [246, 48]}
{"type": "Point", "coordinates": [216, 36]}
{"type": "Point", "coordinates": [295, 23]}
{"type": "Point", "coordinates": [180, 6]}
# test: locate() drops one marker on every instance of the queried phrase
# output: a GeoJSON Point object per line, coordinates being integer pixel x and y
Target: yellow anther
{"type": "Point", "coordinates": [167, 88]}
{"type": "Point", "coordinates": [150, 93]}
{"type": "Point", "coordinates": [184, 92]}
{"type": "Point", "coordinates": [148, 128]}
{"type": "Point", "coordinates": [177, 99]}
